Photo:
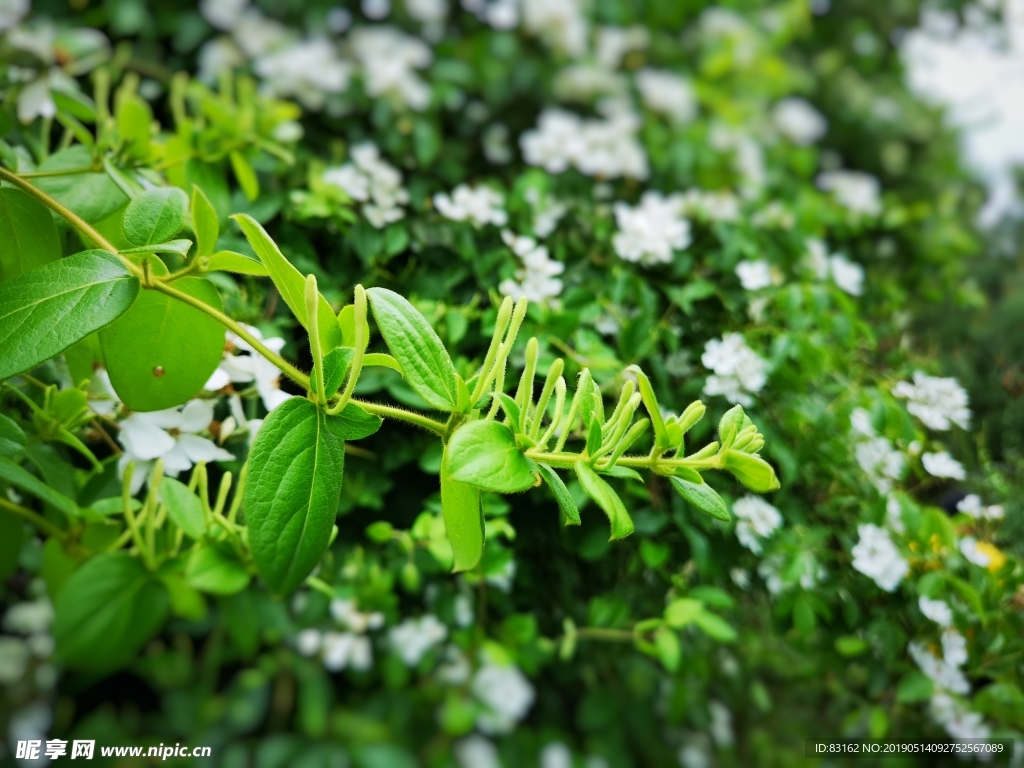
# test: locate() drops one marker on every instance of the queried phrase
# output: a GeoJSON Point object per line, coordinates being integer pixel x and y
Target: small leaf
{"type": "Point", "coordinates": [45, 311]}
{"type": "Point", "coordinates": [625, 473]}
{"type": "Point", "coordinates": [561, 493]}
{"type": "Point", "coordinates": [914, 687]}
{"type": "Point", "coordinates": [24, 480]}
{"type": "Point", "coordinates": [178, 247]}
{"type": "Point", "coordinates": [183, 507]}
{"type": "Point", "coordinates": [290, 282]}
{"type": "Point", "coordinates": [703, 497]}
{"type": "Point", "coordinates": [246, 176]}
{"type": "Point", "coordinates": [463, 520]}
{"type": "Point", "coordinates": [851, 645]}
{"type": "Point", "coordinates": [381, 360]}
{"type": "Point", "coordinates": [293, 491]}
{"type": "Point", "coordinates": [682, 612]}
{"type": "Point", "coordinates": [186, 602]}
{"type": "Point", "coordinates": [205, 223]}
{"type": "Point", "coordinates": [607, 499]}
{"type": "Point", "coordinates": [510, 407]}
{"type": "Point", "coordinates": [715, 627]}
{"type": "Point", "coordinates": [753, 471]}
{"type": "Point", "coordinates": [27, 232]}
{"type": "Point", "coordinates": [484, 453]}
{"type": "Point", "coordinates": [353, 423]}
{"type": "Point", "coordinates": [12, 438]}
{"type": "Point", "coordinates": [108, 609]}
{"type": "Point", "coordinates": [240, 264]}
{"type": "Point", "coordinates": [211, 570]}
{"type": "Point", "coordinates": [155, 216]}
{"type": "Point", "coordinates": [670, 651]}
{"type": "Point", "coordinates": [730, 424]}
{"type": "Point", "coordinates": [336, 362]}
{"type": "Point", "coordinates": [417, 348]}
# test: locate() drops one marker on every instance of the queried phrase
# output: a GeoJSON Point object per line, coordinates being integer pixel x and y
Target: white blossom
{"type": "Point", "coordinates": [475, 751]}
{"type": "Point", "coordinates": [429, 12]}
{"type": "Point", "coordinates": [250, 367]}
{"type": "Point", "coordinates": [257, 35]}
{"type": "Point", "coordinates": [958, 721]}
{"type": "Point", "coordinates": [945, 675]}
{"type": "Point", "coordinates": [222, 14]}
{"type": "Point", "coordinates": [479, 206]}
{"type": "Point", "coordinates": [218, 55]}
{"type": "Point", "coordinates": [414, 637]}
{"type": "Point", "coordinates": [754, 275]}
{"type": "Point", "coordinates": [342, 650]}
{"type": "Point", "coordinates": [881, 462]}
{"type": "Point", "coordinates": [29, 618]}
{"type": "Point", "coordinates": [969, 549]}
{"type": "Point", "coordinates": [816, 257]}
{"type": "Point", "coordinates": [756, 520]}
{"type": "Point", "coordinates": [936, 610]}
{"type": "Point", "coordinates": [13, 11]}
{"type": "Point", "coordinates": [848, 275]}
{"type": "Point", "coordinates": [347, 613]}
{"type": "Point", "coordinates": [954, 647]}
{"type": "Point", "coordinates": [971, 505]}
{"type": "Point", "coordinates": [556, 755]}
{"type": "Point", "coordinates": [546, 212]}
{"type": "Point", "coordinates": [606, 147]}
{"type": "Point", "coordinates": [894, 515]}
{"type": "Point", "coordinates": [774, 214]}
{"type": "Point", "coordinates": [537, 280]}
{"type": "Point", "coordinates": [711, 206]}
{"type": "Point", "coordinates": [667, 94]}
{"type": "Point", "coordinates": [582, 82]}
{"type": "Point", "coordinates": [308, 70]}
{"type": "Point", "coordinates": [505, 693]}
{"type": "Point", "coordinates": [876, 556]}
{"type": "Point", "coordinates": [651, 231]}
{"type": "Point", "coordinates": [738, 371]}
{"type": "Point", "coordinates": [389, 59]}
{"type": "Point", "coordinates": [559, 23]}
{"type": "Point", "coordinates": [799, 121]}
{"type": "Point", "coordinates": [308, 642]}
{"type": "Point", "coordinates": [370, 180]}
{"type": "Point", "coordinates": [938, 402]}
{"type": "Point", "coordinates": [613, 43]}
{"type": "Point", "coordinates": [943, 465]}
{"type": "Point", "coordinates": [740, 577]}
{"type": "Point", "coordinates": [720, 726]}
{"type": "Point", "coordinates": [856, 191]}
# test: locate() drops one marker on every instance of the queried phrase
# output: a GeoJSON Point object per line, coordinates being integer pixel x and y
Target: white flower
{"type": "Point", "coordinates": [430, 12]}
{"type": "Point", "coordinates": [373, 182]}
{"type": "Point", "coordinates": [463, 609]}
{"type": "Point", "coordinates": [694, 756]}
{"type": "Point", "coordinates": [346, 613]}
{"type": "Point", "coordinates": [479, 206]}
{"type": "Point", "coordinates": [170, 435]}
{"type": "Point", "coordinates": [954, 647]}
{"type": "Point", "coordinates": [29, 618]}
{"type": "Point", "coordinates": [308, 70]}
{"type": "Point", "coordinates": [969, 549]}
{"type": "Point", "coordinates": [798, 121]}
{"type": "Point", "coordinates": [667, 93]}
{"type": "Point", "coordinates": [559, 23]}
{"type": "Point", "coordinates": [856, 191]}
{"type": "Point", "coordinates": [345, 649]}
{"type": "Point", "coordinates": [506, 694]}
{"type": "Point", "coordinates": [455, 670]}
{"type": "Point", "coordinates": [847, 275]}
{"type": "Point", "coordinates": [650, 232]}
{"type": "Point", "coordinates": [251, 367]}
{"type": "Point", "coordinates": [613, 43]}
{"type": "Point", "coordinates": [936, 610]}
{"type": "Point", "coordinates": [894, 515]}
{"type": "Point", "coordinates": [876, 556]}
{"type": "Point", "coordinates": [13, 11]}
{"type": "Point", "coordinates": [556, 755]}
{"type": "Point", "coordinates": [476, 752]}
{"type": "Point", "coordinates": [389, 60]}
{"type": "Point", "coordinates": [606, 148]}
{"type": "Point", "coordinates": [537, 281]}
{"type": "Point", "coordinates": [502, 578]}
{"type": "Point", "coordinates": [971, 505]}
{"type": "Point", "coordinates": [860, 421]}
{"type": "Point", "coordinates": [308, 642]}
{"type": "Point", "coordinates": [943, 465]}
{"type": "Point", "coordinates": [738, 370]}
{"type": "Point", "coordinates": [938, 402]}
{"type": "Point", "coordinates": [583, 82]}
{"type": "Point", "coordinates": [774, 214]}
{"type": "Point", "coordinates": [770, 570]}
{"type": "Point", "coordinates": [222, 14]}
{"type": "Point", "coordinates": [414, 637]}
{"type": "Point", "coordinates": [740, 577]}
{"type": "Point", "coordinates": [747, 155]}
{"type": "Point", "coordinates": [757, 520]}
{"type": "Point", "coordinates": [711, 206]}
{"type": "Point", "coordinates": [754, 275]}
{"type": "Point", "coordinates": [720, 727]}
{"type": "Point", "coordinates": [959, 722]}
{"type": "Point", "coordinates": [216, 56]}
{"type": "Point", "coordinates": [945, 675]}
{"type": "Point", "coordinates": [880, 461]}
{"type": "Point", "coordinates": [257, 35]}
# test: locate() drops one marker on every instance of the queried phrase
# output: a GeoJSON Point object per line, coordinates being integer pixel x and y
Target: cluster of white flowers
{"type": "Point", "coordinates": [561, 24]}
{"type": "Point", "coordinates": [938, 402]}
{"type": "Point", "coordinates": [944, 672]}
{"type": "Point", "coordinates": [847, 275]}
{"type": "Point", "coordinates": [856, 191]}
{"type": "Point", "coordinates": [738, 371]}
{"type": "Point", "coordinates": [958, 721]}
{"type": "Point", "coordinates": [480, 206]}
{"type": "Point", "coordinates": [611, 44]}
{"type": "Point", "coordinates": [307, 70]}
{"type": "Point", "coordinates": [546, 211]}
{"type": "Point", "coordinates": [798, 121]}
{"type": "Point", "coordinates": [977, 552]}
{"type": "Point", "coordinates": [538, 280]}
{"type": "Point", "coordinates": [250, 367]}
{"type": "Point", "coordinates": [350, 649]}
{"type": "Point", "coordinates": [755, 275]}
{"type": "Point", "coordinates": [373, 182]}
{"type": "Point", "coordinates": [941, 464]}
{"type": "Point", "coordinates": [756, 520]}
{"type": "Point", "coordinates": [29, 626]}
{"type": "Point", "coordinates": [475, 751]}
{"type": "Point", "coordinates": [936, 610]}
{"type": "Point", "coordinates": [606, 147]}
{"type": "Point", "coordinates": [971, 505]}
{"type": "Point", "coordinates": [583, 82]}
{"type": "Point", "coordinates": [651, 231]}
{"type": "Point", "coordinates": [414, 637]}
{"type": "Point", "coordinates": [876, 557]}
{"type": "Point", "coordinates": [667, 93]}
{"type": "Point", "coordinates": [389, 59]}
{"type": "Point", "coordinates": [747, 156]}
{"type": "Point", "coordinates": [711, 206]}
{"type": "Point", "coordinates": [505, 693]}
{"type": "Point", "coordinates": [774, 215]}
{"type": "Point", "coordinates": [881, 462]}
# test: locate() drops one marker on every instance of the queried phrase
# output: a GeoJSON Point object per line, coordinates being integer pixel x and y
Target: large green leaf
{"type": "Point", "coordinates": [109, 608]}
{"type": "Point", "coordinates": [428, 368]}
{"type": "Point", "coordinates": [161, 351]}
{"type": "Point", "coordinates": [154, 216]}
{"type": "Point", "coordinates": [606, 498]}
{"type": "Point", "coordinates": [290, 282]}
{"type": "Point", "coordinates": [45, 311]}
{"type": "Point", "coordinates": [93, 196]}
{"type": "Point", "coordinates": [293, 491]}
{"type": "Point", "coordinates": [27, 233]}
{"type": "Point", "coordinates": [703, 497]}
{"type": "Point", "coordinates": [562, 495]}
{"type": "Point", "coordinates": [484, 453]}
{"type": "Point", "coordinates": [463, 521]}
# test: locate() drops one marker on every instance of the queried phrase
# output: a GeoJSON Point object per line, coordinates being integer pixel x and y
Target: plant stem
{"type": "Point", "coordinates": [40, 522]}
{"type": "Point", "coordinates": [605, 633]}
{"type": "Point", "coordinates": [67, 172]}
{"type": "Point", "coordinates": [401, 414]}
{"type": "Point", "coordinates": [320, 586]}
{"type": "Point", "coordinates": [566, 460]}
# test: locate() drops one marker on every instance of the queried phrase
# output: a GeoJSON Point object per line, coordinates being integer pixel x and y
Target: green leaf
{"type": "Point", "coordinates": [626, 473]}
{"type": "Point", "coordinates": [670, 651]}
{"type": "Point", "coordinates": [381, 360]}
{"type": "Point", "coordinates": [106, 612]}
{"type": "Point", "coordinates": [715, 627]}
{"type": "Point", "coordinates": [703, 497]}
{"type": "Point", "coordinates": [183, 507]}
{"type": "Point", "coordinates": [914, 687]}
{"type": "Point", "coordinates": [239, 263]}
{"type": "Point", "coordinates": [851, 645]}
{"type": "Point", "coordinates": [27, 232]}
{"type": "Point", "coordinates": [353, 423]}
{"type": "Point", "coordinates": [730, 424]}
{"type": "Point", "coordinates": [417, 348]}
{"type": "Point", "coordinates": [161, 352]}
{"type": "Point", "coordinates": [205, 223]}
{"type": "Point", "coordinates": [45, 311]}
{"type": "Point", "coordinates": [682, 612]}
{"type": "Point", "coordinates": [607, 499]}
{"type": "Point", "coordinates": [293, 491]}
{"type": "Point", "coordinates": [484, 454]}
{"type": "Point", "coordinates": [803, 616]}
{"type": "Point", "coordinates": [336, 362]}
{"type": "Point", "coordinates": [26, 481]}
{"type": "Point", "coordinates": [753, 471]}
{"type": "Point", "coordinates": [246, 176]}
{"type": "Point", "coordinates": [211, 570]}
{"type": "Point", "coordinates": [186, 602]}
{"type": "Point", "coordinates": [155, 216]}
{"type": "Point", "coordinates": [510, 407]}
{"type": "Point", "coordinates": [290, 282]}
{"type": "Point", "coordinates": [561, 493]}
{"type": "Point", "coordinates": [93, 196]}
{"type": "Point", "coordinates": [463, 520]}
{"type": "Point", "coordinates": [12, 438]}
{"type": "Point", "coordinates": [179, 247]}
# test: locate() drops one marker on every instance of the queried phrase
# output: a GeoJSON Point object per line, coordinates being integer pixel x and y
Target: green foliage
{"type": "Point", "coordinates": [27, 232]}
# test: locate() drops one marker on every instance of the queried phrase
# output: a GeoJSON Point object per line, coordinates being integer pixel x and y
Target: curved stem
{"type": "Point", "coordinates": [67, 172]}
{"type": "Point", "coordinates": [40, 522]}
{"type": "Point", "coordinates": [401, 414]}
{"type": "Point", "coordinates": [566, 460]}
